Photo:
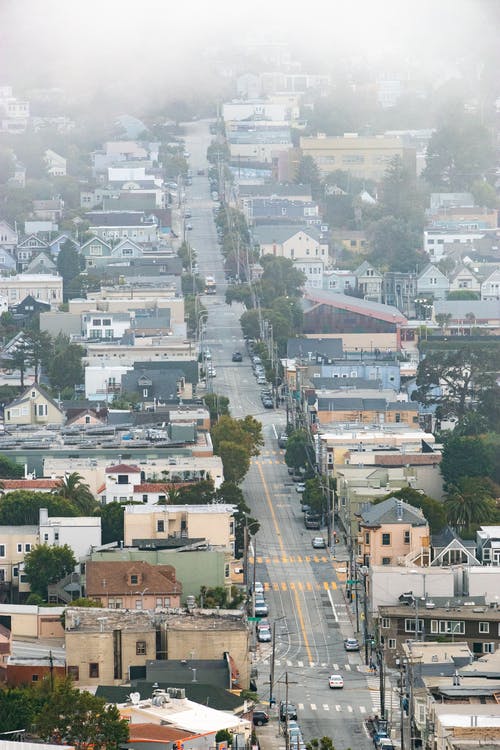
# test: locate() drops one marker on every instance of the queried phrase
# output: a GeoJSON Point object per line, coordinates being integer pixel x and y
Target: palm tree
{"type": "Point", "coordinates": [77, 492]}
{"type": "Point", "coordinates": [471, 319]}
{"type": "Point", "coordinates": [443, 321]}
{"type": "Point", "coordinates": [469, 502]}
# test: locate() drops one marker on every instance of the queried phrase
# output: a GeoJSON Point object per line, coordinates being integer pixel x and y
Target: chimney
{"type": "Point", "coordinates": [43, 517]}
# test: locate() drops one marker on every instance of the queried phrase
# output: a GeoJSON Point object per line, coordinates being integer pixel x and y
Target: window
{"type": "Point", "coordinates": [367, 537]}
{"type": "Point", "coordinates": [34, 678]}
{"type": "Point", "coordinates": [45, 537]}
{"type": "Point", "coordinates": [27, 547]}
{"type": "Point", "coordinates": [484, 627]}
{"type": "Point", "coordinates": [160, 525]}
{"type": "Point", "coordinates": [19, 547]}
{"type": "Point", "coordinates": [138, 603]}
{"type": "Point", "coordinates": [93, 669]}
{"type": "Point", "coordinates": [434, 626]}
{"type": "Point", "coordinates": [386, 540]}
{"type": "Point", "coordinates": [144, 498]}
{"type": "Point", "coordinates": [392, 643]}
{"type": "Point", "coordinates": [488, 648]}
{"type": "Point", "coordinates": [140, 648]}
{"type": "Point", "coordinates": [144, 392]}
{"type": "Point", "coordinates": [452, 627]}
{"type": "Point", "coordinates": [159, 601]}
{"type": "Point", "coordinates": [386, 623]}
{"type": "Point", "coordinates": [410, 625]}
{"type": "Point", "coordinates": [166, 601]}
{"type": "Point", "coordinates": [407, 537]}
{"type": "Point", "coordinates": [74, 672]}
{"type": "Point", "coordinates": [42, 410]}
{"type": "Point", "coordinates": [386, 561]}
{"type": "Point", "coordinates": [134, 579]}
{"type": "Point", "coordinates": [15, 572]}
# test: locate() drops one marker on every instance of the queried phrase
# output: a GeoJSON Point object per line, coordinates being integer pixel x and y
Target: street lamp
{"type": "Point", "coordinates": [142, 596]}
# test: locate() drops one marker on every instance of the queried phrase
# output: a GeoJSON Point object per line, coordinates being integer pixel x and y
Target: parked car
{"type": "Point", "coordinates": [258, 587]}
{"type": "Point", "coordinates": [263, 624]}
{"type": "Point", "coordinates": [336, 681]}
{"type": "Point", "coordinates": [282, 440]}
{"type": "Point", "coordinates": [261, 609]}
{"type": "Point", "coordinates": [287, 708]}
{"type": "Point", "coordinates": [300, 487]}
{"type": "Point", "coordinates": [260, 717]}
{"type": "Point", "coordinates": [351, 644]}
{"type": "Point", "coordinates": [264, 635]}
{"type": "Point", "coordinates": [318, 542]}
{"type": "Point", "coordinates": [261, 380]}
{"type": "Point", "coordinates": [268, 403]}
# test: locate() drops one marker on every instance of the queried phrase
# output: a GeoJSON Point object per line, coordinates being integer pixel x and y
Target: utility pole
{"type": "Point", "coordinates": [381, 672]}
{"type": "Point", "coordinates": [287, 736]}
{"type": "Point", "coordinates": [401, 704]}
{"type": "Point", "coordinates": [364, 572]}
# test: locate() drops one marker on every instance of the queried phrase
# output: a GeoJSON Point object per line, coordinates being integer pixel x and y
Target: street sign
{"type": "Point", "coordinates": [253, 619]}
{"type": "Point", "coordinates": [352, 583]}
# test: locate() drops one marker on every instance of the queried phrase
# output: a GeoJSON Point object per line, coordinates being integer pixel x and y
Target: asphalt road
{"type": "Point", "coordinates": [304, 587]}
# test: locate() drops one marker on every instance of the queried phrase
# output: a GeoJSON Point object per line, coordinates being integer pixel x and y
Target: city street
{"type": "Point", "coordinates": [304, 587]}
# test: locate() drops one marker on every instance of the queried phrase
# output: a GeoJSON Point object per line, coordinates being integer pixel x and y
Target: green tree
{"type": "Point", "coordinates": [250, 324]}
{"type": "Point", "coordinates": [463, 375]}
{"type": "Point", "coordinates": [217, 405]}
{"type": "Point", "coordinates": [308, 174]}
{"type": "Point", "coordinates": [399, 196]}
{"type": "Point", "coordinates": [111, 522]}
{"type": "Point", "coordinates": [463, 294]}
{"type": "Point", "coordinates": [65, 369]}
{"type": "Point", "coordinates": [22, 508]}
{"type": "Point", "coordinates": [196, 493]}
{"type": "Point", "coordinates": [279, 279]}
{"type": "Point", "coordinates": [240, 293]}
{"type": "Point", "coordinates": [467, 457]}
{"type": "Point", "coordinates": [19, 359]}
{"type": "Point", "coordinates": [484, 194]}
{"type": "Point", "coordinates": [394, 244]}
{"type": "Point", "coordinates": [224, 736]}
{"type": "Point", "coordinates": [313, 495]}
{"type": "Point", "coordinates": [459, 154]}
{"type": "Point", "coordinates": [16, 709]}
{"type": "Point", "coordinates": [78, 493]}
{"type": "Point", "coordinates": [69, 266]}
{"type": "Point", "coordinates": [299, 452]}
{"type": "Point", "coordinates": [47, 564]}
{"type": "Point", "coordinates": [79, 719]}
{"type": "Point", "coordinates": [246, 433]}
{"type": "Point", "coordinates": [469, 502]}
{"type": "Point", "coordinates": [39, 350]}
{"type": "Point", "coordinates": [235, 460]}
{"type": "Point", "coordinates": [9, 469]}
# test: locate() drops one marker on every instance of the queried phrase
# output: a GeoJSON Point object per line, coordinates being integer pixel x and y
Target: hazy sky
{"type": "Point", "coordinates": [153, 44]}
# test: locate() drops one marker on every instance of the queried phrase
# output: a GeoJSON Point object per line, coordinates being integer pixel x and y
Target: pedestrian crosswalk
{"type": "Point", "coordinates": [300, 586]}
{"type": "Point", "coordinates": [364, 711]}
{"type": "Point", "coordinates": [276, 559]}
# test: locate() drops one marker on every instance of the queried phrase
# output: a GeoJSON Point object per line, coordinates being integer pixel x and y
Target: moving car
{"type": "Point", "coordinates": [318, 542]}
{"type": "Point", "coordinates": [189, 226]}
{"type": "Point", "coordinates": [312, 520]}
{"type": "Point", "coordinates": [212, 372]}
{"type": "Point", "coordinates": [260, 717]}
{"type": "Point", "coordinates": [351, 644]}
{"type": "Point", "coordinates": [237, 357]}
{"type": "Point", "coordinates": [336, 681]}
{"type": "Point", "coordinates": [282, 440]}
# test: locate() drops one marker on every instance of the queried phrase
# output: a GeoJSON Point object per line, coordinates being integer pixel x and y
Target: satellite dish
{"type": "Point", "coordinates": [135, 698]}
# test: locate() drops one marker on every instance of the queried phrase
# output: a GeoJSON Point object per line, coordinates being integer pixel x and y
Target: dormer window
{"type": "Point", "coordinates": [134, 579]}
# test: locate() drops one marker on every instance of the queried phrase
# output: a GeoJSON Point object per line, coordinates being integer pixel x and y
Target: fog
{"type": "Point", "coordinates": [135, 51]}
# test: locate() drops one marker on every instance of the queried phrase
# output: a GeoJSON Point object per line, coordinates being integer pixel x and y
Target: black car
{"type": "Point", "coordinates": [237, 357]}
{"type": "Point", "coordinates": [260, 717]}
{"type": "Point", "coordinates": [287, 709]}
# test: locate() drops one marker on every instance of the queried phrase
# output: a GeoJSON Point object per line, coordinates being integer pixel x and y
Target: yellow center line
{"type": "Point", "coordinates": [273, 514]}
{"type": "Point", "coordinates": [302, 626]}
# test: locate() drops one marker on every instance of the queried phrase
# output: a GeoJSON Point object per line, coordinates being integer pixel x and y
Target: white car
{"type": "Point", "coordinates": [300, 487]}
{"type": "Point", "coordinates": [336, 681]}
{"type": "Point", "coordinates": [264, 635]}
{"type": "Point", "coordinates": [258, 587]}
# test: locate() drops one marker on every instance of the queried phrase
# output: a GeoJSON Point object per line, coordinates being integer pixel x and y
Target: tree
{"type": "Point", "coordinates": [39, 350]}
{"type": "Point", "coordinates": [10, 469]}
{"type": "Point", "coordinates": [78, 493]}
{"type": "Point", "coordinates": [65, 369]}
{"type": "Point", "coordinates": [218, 406]}
{"type": "Point", "coordinates": [69, 266]}
{"type": "Point", "coordinates": [279, 279]}
{"type": "Point", "coordinates": [456, 379]}
{"type": "Point", "coordinates": [443, 321]}
{"type": "Point", "coordinates": [462, 294]}
{"type": "Point", "coordinates": [469, 502]}
{"type": "Point", "coordinates": [250, 324]}
{"type": "Point", "coordinates": [47, 564]}
{"type": "Point", "coordinates": [484, 194]}
{"type": "Point", "coordinates": [19, 359]}
{"type": "Point", "coordinates": [7, 164]}
{"type": "Point", "coordinates": [466, 457]}
{"type": "Point", "coordinates": [111, 522]}
{"type": "Point", "coordinates": [308, 174]}
{"type": "Point", "coordinates": [300, 451]}
{"type": "Point", "coordinates": [399, 196]}
{"type": "Point", "coordinates": [16, 709]}
{"type": "Point", "coordinates": [394, 244]}
{"type": "Point", "coordinates": [22, 508]}
{"type": "Point", "coordinates": [246, 433]}
{"type": "Point", "coordinates": [196, 493]}
{"type": "Point", "coordinates": [313, 495]}
{"type": "Point", "coordinates": [235, 460]}
{"type": "Point", "coordinates": [79, 719]}
{"type": "Point", "coordinates": [459, 154]}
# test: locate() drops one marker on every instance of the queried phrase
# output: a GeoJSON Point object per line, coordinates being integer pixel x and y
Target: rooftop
{"type": "Point", "coordinates": [92, 620]}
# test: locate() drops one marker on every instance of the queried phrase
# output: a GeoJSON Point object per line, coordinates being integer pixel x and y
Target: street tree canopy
{"type": "Point", "coordinates": [47, 564]}
{"type": "Point", "coordinates": [299, 451]}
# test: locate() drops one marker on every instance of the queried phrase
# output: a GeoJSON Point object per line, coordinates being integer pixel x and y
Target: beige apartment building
{"type": "Point", "coordinates": [44, 287]}
{"type": "Point", "coordinates": [362, 156]}
{"type": "Point", "coordinates": [215, 523]}
{"type": "Point", "coordinates": [146, 349]}
{"type": "Point", "coordinates": [391, 532]}
{"type": "Point", "coordinates": [102, 644]}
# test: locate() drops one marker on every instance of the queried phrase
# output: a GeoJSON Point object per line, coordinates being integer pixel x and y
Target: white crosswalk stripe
{"type": "Point", "coordinates": [347, 667]}
{"type": "Point", "coordinates": [362, 709]}
{"type": "Point", "coordinates": [349, 708]}
{"type": "Point", "coordinates": [326, 707]}
{"type": "Point", "coordinates": [300, 706]}
{"type": "Point", "coordinates": [313, 707]}
{"type": "Point", "coordinates": [336, 667]}
{"type": "Point", "coordinates": [339, 708]}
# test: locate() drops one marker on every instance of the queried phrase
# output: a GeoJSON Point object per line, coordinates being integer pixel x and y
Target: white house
{"type": "Point", "coordinates": [290, 241]}
{"type": "Point", "coordinates": [435, 241]}
{"type": "Point", "coordinates": [313, 271]}
{"type": "Point", "coordinates": [369, 282]}
{"type": "Point", "coordinates": [8, 236]}
{"type": "Point", "coordinates": [463, 278]}
{"type": "Point", "coordinates": [102, 382]}
{"type": "Point", "coordinates": [99, 325]}
{"type": "Point", "coordinates": [337, 280]}
{"type": "Point", "coordinates": [55, 164]}
{"type": "Point", "coordinates": [81, 533]}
